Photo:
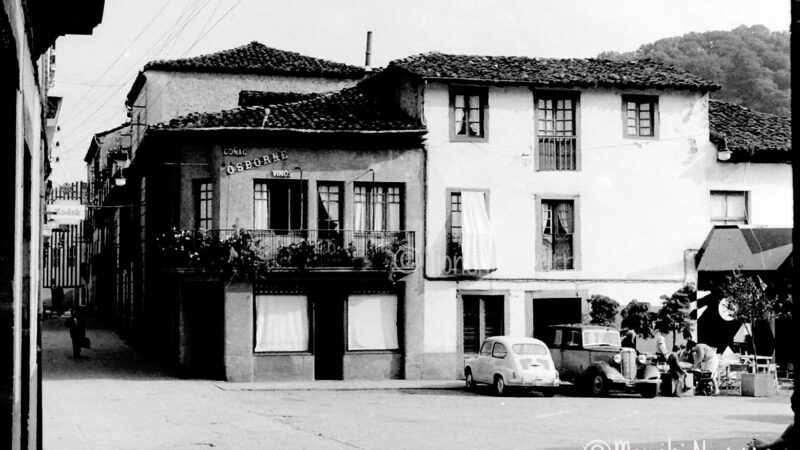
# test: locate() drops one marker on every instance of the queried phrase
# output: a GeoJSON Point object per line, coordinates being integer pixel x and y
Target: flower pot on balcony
{"type": "Point", "coordinates": [760, 384]}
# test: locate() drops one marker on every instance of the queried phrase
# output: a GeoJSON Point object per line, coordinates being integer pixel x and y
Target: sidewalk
{"type": "Point", "coordinates": [337, 385]}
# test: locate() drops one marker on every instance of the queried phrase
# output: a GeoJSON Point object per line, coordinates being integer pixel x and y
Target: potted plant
{"type": "Point", "coordinates": [749, 302]}
{"type": "Point", "coordinates": [603, 310]}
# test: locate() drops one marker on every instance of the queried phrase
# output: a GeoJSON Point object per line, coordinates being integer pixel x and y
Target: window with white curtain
{"type": "Point", "coordinates": [282, 323]}
{"type": "Point", "coordinates": [558, 225]}
{"type": "Point", "coordinates": [377, 208]}
{"type": "Point", "coordinates": [372, 322]}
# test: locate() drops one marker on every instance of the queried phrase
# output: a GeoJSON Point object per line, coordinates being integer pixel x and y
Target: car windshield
{"type": "Point", "coordinates": [529, 349]}
{"type": "Point", "coordinates": [601, 337]}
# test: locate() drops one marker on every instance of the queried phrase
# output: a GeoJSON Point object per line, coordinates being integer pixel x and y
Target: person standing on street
{"type": "Point", "coordinates": [77, 332]}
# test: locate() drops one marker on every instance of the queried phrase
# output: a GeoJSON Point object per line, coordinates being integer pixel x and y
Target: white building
{"type": "Point", "coordinates": [592, 177]}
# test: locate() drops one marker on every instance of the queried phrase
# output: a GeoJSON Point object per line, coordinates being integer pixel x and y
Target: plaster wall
{"type": "Point", "coordinates": [172, 94]}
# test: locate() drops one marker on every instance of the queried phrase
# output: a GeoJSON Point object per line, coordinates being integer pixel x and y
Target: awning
{"type": "Point", "coordinates": [746, 249]}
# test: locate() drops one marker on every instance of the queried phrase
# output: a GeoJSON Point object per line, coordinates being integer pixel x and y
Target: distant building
{"type": "Point", "coordinates": [27, 31]}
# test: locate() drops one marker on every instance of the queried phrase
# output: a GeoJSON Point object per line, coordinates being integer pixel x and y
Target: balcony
{"type": "Point", "coordinates": [557, 153]}
{"type": "Point", "coordinates": [291, 250]}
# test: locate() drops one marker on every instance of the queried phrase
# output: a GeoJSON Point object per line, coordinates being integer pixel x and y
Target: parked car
{"type": "Point", "coordinates": [511, 362]}
{"type": "Point", "coordinates": [592, 357]}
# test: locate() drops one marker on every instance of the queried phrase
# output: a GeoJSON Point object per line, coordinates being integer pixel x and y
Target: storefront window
{"type": "Point", "coordinates": [281, 323]}
{"type": "Point", "coordinates": [372, 322]}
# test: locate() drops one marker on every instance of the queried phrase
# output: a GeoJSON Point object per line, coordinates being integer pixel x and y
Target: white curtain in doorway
{"type": "Point", "coordinates": [372, 322]}
{"type": "Point", "coordinates": [477, 244]}
{"type": "Point", "coordinates": [281, 323]}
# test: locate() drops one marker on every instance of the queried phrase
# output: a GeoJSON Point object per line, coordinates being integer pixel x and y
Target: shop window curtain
{"type": "Point", "coordinates": [372, 322]}
{"type": "Point", "coordinates": [477, 240]}
{"type": "Point", "coordinates": [281, 323]}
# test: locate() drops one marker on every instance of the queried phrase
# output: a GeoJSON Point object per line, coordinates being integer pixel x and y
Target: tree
{"type": "Point", "coordinates": [603, 310]}
{"type": "Point", "coordinates": [752, 64]}
{"type": "Point", "coordinates": [749, 302]}
{"type": "Point", "coordinates": [637, 316]}
{"type": "Point", "coordinates": [674, 315]}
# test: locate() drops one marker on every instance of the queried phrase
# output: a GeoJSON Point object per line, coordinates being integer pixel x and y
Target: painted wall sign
{"type": "Point", "coordinates": [281, 173]}
{"type": "Point", "coordinates": [234, 151]}
{"type": "Point", "coordinates": [255, 163]}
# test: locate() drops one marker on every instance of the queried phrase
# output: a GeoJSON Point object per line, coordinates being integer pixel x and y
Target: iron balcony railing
{"type": "Point", "coordinates": [558, 153]}
{"type": "Point", "coordinates": [306, 249]}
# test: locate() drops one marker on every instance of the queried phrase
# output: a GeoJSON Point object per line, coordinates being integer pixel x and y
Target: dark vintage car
{"type": "Point", "coordinates": [591, 357]}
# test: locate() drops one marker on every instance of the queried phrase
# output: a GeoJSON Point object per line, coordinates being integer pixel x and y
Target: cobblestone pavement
{"type": "Point", "coordinates": [115, 399]}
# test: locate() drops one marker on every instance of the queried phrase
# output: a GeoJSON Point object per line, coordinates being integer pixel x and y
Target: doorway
{"type": "Point", "coordinates": [554, 311]}
{"type": "Point", "coordinates": [204, 328]}
{"type": "Point", "coordinates": [329, 336]}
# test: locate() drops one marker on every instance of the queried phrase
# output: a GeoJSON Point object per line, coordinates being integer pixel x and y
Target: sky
{"type": "Point", "coordinates": [94, 73]}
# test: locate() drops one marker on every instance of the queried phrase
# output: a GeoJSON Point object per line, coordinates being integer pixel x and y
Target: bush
{"type": "Point", "coordinates": [603, 310]}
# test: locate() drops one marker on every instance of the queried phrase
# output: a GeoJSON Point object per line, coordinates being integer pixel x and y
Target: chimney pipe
{"type": "Point", "coordinates": [368, 62]}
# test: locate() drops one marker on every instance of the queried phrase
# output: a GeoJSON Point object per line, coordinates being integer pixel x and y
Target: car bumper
{"type": "Point", "coordinates": [533, 383]}
{"type": "Point", "coordinates": [634, 383]}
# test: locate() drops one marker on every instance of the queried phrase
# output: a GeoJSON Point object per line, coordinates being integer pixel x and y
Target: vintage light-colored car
{"type": "Point", "coordinates": [510, 361]}
{"type": "Point", "coordinates": [592, 357]}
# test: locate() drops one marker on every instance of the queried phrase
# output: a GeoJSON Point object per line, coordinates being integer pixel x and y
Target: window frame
{"type": "Point", "coordinates": [340, 186]}
{"type": "Point", "coordinates": [398, 325]}
{"type": "Point", "coordinates": [469, 91]}
{"type": "Point", "coordinates": [725, 220]}
{"type": "Point", "coordinates": [557, 94]}
{"type": "Point", "coordinates": [576, 232]}
{"type": "Point", "coordinates": [198, 190]}
{"type": "Point", "coordinates": [302, 202]}
{"type": "Point", "coordinates": [309, 326]}
{"type": "Point", "coordinates": [655, 117]}
{"type": "Point", "coordinates": [499, 348]}
{"type": "Point", "coordinates": [449, 220]}
{"type": "Point", "coordinates": [369, 208]}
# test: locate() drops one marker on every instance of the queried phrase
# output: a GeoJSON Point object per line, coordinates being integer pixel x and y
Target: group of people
{"type": "Point", "coordinates": [702, 357]}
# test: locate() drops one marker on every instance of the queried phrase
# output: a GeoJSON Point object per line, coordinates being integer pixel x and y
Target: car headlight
{"type": "Point", "coordinates": [617, 358]}
{"type": "Point", "coordinates": [642, 359]}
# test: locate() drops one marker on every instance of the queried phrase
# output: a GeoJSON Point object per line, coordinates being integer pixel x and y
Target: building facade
{"type": "Point", "coordinates": [328, 194]}
{"type": "Point", "coordinates": [526, 186]}
{"type": "Point", "coordinates": [549, 181]}
{"type": "Point", "coordinates": [27, 31]}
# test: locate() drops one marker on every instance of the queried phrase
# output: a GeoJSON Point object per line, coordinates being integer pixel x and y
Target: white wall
{"type": "Point", "coordinates": [642, 202]}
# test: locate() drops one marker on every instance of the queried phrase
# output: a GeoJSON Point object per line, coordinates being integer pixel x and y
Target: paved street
{"type": "Point", "coordinates": [115, 399]}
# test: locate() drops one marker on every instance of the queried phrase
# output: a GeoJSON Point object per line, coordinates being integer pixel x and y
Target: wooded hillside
{"type": "Point", "coordinates": [751, 63]}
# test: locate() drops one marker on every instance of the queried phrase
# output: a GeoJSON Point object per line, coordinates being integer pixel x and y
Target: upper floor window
{"type": "Point", "coordinates": [557, 131]}
{"type": "Point", "coordinates": [640, 113]}
{"type": "Point", "coordinates": [558, 229]}
{"type": "Point", "coordinates": [377, 207]}
{"type": "Point", "coordinates": [729, 208]}
{"type": "Point", "coordinates": [277, 205]}
{"type": "Point", "coordinates": [470, 243]}
{"type": "Point", "coordinates": [468, 114]}
{"type": "Point", "coordinates": [203, 199]}
{"type": "Point", "coordinates": [329, 206]}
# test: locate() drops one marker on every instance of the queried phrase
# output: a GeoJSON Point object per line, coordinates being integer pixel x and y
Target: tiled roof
{"type": "Point", "coordinates": [257, 58]}
{"type": "Point", "coordinates": [750, 135]}
{"type": "Point", "coordinates": [545, 72]}
{"type": "Point", "coordinates": [264, 98]}
{"type": "Point", "coordinates": [354, 109]}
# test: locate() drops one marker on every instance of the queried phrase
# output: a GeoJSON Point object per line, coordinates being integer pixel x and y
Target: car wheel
{"type": "Point", "coordinates": [549, 392]}
{"type": "Point", "coordinates": [471, 384]}
{"type": "Point", "coordinates": [596, 383]}
{"type": "Point", "coordinates": [648, 390]}
{"type": "Point", "coordinates": [499, 385]}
